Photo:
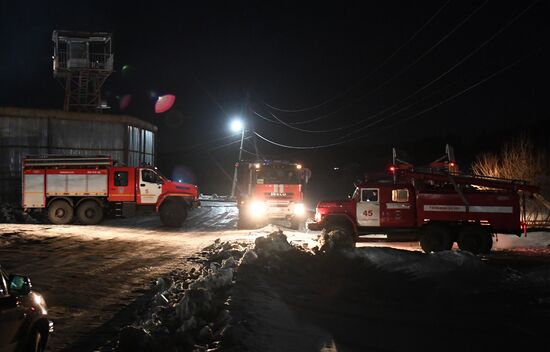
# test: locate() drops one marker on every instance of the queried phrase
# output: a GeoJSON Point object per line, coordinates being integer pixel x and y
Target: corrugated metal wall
{"type": "Point", "coordinates": [22, 135]}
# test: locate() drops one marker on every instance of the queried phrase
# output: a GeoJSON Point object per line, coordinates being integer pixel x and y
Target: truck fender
{"type": "Point", "coordinates": [98, 201]}
{"type": "Point", "coordinates": [187, 199]}
{"type": "Point", "coordinates": [67, 199]}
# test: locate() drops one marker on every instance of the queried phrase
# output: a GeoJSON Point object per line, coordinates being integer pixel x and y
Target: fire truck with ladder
{"type": "Point", "coordinates": [437, 205]}
{"type": "Point", "coordinates": [88, 187]}
{"type": "Point", "coordinates": [271, 190]}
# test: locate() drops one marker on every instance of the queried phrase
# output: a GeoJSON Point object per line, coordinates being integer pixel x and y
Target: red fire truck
{"type": "Point", "coordinates": [437, 204]}
{"type": "Point", "coordinates": [271, 190]}
{"type": "Point", "coordinates": [87, 187]}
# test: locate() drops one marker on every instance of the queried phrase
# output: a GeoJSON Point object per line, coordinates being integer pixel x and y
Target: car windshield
{"type": "Point", "coordinates": [274, 175]}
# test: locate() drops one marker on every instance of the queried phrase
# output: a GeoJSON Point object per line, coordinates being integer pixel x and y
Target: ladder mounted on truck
{"type": "Point", "coordinates": [444, 170]}
{"type": "Point", "coordinates": [66, 161]}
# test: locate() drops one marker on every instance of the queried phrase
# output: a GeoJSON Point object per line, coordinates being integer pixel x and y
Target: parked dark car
{"type": "Point", "coordinates": [24, 323]}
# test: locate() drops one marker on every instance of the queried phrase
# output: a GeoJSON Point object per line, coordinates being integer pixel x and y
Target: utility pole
{"type": "Point", "coordinates": [237, 164]}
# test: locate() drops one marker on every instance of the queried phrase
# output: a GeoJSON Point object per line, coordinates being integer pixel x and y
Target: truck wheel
{"type": "Point", "coordinates": [89, 213]}
{"type": "Point", "coordinates": [60, 212]}
{"type": "Point", "coordinates": [345, 228]}
{"type": "Point", "coordinates": [173, 214]}
{"type": "Point", "coordinates": [475, 239]}
{"type": "Point", "coordinates": [436, 238]}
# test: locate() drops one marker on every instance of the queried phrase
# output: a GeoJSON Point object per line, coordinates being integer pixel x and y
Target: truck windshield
{"type": "Point", "coordinates": [271, 175]}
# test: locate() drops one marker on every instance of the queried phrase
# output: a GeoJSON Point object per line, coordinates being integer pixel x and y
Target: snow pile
{"type": "Point", "coordinates": [273, 243]}
{"type": "Point", "coordinates": [13, 214]}
{"type": "Point", "coordinates": [415, 263]}
{"type": "Point", "coordinates": [334, 240]}
{"type": "Point", "coordinates": [189, 309]}
{"type": "Point", "coordinates": [533, 239]}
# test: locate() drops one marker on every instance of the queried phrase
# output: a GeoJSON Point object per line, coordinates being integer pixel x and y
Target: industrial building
{"type": "Point", "coordinates": [23, 131]}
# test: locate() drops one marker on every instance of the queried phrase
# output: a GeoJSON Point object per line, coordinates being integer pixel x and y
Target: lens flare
{"type": "Point", "coordinates": [164, 103]}
{"type": "Point", "coordinates": [125, 101]}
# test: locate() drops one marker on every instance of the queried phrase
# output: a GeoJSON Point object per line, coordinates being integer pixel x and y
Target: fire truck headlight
{"type": "Point", "coordinates": [257, 208]}
{"type": "Point", "coordinates": [299, 209]}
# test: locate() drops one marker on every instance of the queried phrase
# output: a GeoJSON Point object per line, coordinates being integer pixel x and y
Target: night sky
{"type": "Point", "coordinates": [378, 66]}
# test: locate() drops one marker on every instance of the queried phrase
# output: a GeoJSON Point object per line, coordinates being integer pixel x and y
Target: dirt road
{"type": "Point", "coordinates": [91, 275]}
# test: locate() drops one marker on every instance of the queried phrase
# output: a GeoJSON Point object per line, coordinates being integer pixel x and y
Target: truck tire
{"type": "Point", "coordinates": [436, 238]}
{"type": "Point", "coordinates": [60, 212]}
{"type": "Point", "coordinates": [341, 226]}
{"type": "Point", "coordinates": [173, 214]}
{"type": "Point", "coordinates": [475, 239]}
{"type": "Point", "coordinates": [89, 213]}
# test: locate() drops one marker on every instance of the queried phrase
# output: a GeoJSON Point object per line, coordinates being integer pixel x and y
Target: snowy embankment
{"type": "Point", "coordinates": [274, 296]}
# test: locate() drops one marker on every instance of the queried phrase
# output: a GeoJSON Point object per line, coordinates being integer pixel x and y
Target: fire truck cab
{"type": "Point", "coordinates": [271, 190]}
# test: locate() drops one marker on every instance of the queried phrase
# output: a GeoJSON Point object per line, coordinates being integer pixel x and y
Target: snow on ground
{"type": "Point", "coordinates": [530, 240]}
{"type": "Point", "coordinates": [384, 299]}
{"type": "Point", "coordinates": [95, 279]}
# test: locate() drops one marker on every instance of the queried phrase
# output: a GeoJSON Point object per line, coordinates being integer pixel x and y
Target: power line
{"type": "Point", "coordinates": [351, 124]}
{"type": "Point", "coordinates": [418, 31]}
{"type": "Point", "coordinates": [473, 52]}
{"type": "Point", "coordinates": [398, 74]}
{"type": "Point", "coordinates": [228, 144]}
{"type": "Point", "coordinates": [463, 91]}
{"type": "Point", "coordinates": [452, 97]}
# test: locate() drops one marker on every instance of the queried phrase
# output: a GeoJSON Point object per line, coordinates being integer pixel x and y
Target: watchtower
{"type": "Point", "coordinates": [82, 61]}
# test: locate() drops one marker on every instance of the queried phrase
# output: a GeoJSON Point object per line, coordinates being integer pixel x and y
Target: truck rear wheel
{"type": "Point", "coordinates": [60, 212]}
{"type": "Point", "coordinates": [173, 214]}
{"type": "Point", "coordinates": [436, 238]}
{"type": "Point", "coordinates": [475, 239]}
{"type": "Point", "coordinates": [89, 213]}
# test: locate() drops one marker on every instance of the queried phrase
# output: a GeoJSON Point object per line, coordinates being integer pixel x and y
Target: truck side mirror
{"type": "Point", "coordinates": [19, 285]}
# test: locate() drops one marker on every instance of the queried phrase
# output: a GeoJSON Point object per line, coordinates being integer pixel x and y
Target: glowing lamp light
{"type": "Point", "coordinates": [299, 209]}
{"type": "Point", "coordinates": [257, 208]}
{"type": "Point", "coordinates": [298, 166]}
{"type": "Point", "coordinates": [236, 125]}
{"type": "Point", "coordinates": [452, 164]}
{"type": "Point", "coordinates": [392, 168]}
{"type": "Point", "coordinates": [257, 165]}
{"type": "Point", "coordinates": [164, 103]}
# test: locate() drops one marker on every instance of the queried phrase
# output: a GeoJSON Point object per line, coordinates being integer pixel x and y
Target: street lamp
{"type": "Point", "coordinates": [237, 125]}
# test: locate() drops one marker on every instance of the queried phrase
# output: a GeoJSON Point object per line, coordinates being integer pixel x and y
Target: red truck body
{"type": "Point", "coordinates": [437, 207]}
{"type": "Point", "coordinates": [271, 190]}
{"type": "Point", "coordinates": [91, 186]}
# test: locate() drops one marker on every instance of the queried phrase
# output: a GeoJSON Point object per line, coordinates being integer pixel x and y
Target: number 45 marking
{"type": "Point", "coordinates": [368, 212]}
